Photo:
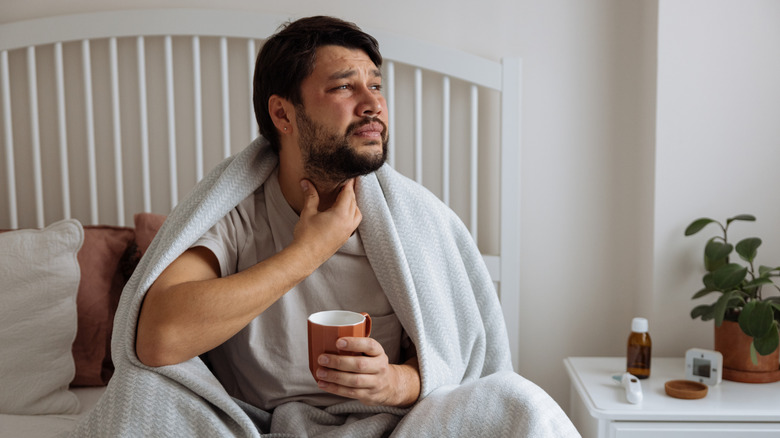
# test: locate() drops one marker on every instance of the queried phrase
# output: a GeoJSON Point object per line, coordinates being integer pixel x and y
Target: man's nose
{"type": "Point", "coordinates": [370, 103]}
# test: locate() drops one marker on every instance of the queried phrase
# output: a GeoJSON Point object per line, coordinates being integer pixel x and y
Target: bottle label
{"type": "Point", "coordinates": [638, 360]}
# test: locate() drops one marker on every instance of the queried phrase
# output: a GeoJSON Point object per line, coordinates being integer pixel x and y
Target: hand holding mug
{"type": "Point", "coordinates": [325, 328]}
{"type": "Point", "coordinates": [355, 366]}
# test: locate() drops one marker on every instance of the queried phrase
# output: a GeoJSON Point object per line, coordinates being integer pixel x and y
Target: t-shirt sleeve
{"type": "Point", "coordinates": [222, 240]}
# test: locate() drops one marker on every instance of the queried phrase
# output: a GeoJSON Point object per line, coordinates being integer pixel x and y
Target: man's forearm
{"type": "Point", "coordinates": [181, 320]}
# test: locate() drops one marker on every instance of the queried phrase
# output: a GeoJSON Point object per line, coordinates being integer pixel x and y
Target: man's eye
{"type": "Point", "coordinates": [377, 87]}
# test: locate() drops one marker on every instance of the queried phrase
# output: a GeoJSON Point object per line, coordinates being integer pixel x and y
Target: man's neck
{"type": "Point", "coordinates": [290, 177]}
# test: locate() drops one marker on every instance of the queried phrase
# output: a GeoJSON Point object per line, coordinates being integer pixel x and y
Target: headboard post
{"type": "Point", "coordinates": [510, 200]}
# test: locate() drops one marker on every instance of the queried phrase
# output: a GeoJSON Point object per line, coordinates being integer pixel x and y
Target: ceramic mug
{"type": "Point", "coordinates": [326, 327]}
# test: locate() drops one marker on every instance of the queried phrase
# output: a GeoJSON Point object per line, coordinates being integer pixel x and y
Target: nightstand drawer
{"type": "Point", "coordinates": [630, 429]}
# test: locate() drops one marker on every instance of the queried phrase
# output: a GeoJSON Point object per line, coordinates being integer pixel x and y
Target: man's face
{"type": "Point", "coordinates": [342, 124]}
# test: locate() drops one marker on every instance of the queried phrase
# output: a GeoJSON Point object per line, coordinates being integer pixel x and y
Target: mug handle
{"type": "Point", "coordinates": [368, 323]}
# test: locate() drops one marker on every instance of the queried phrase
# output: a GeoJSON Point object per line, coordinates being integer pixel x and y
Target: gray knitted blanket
{"type": "Point", "coordinates": [434, 278]}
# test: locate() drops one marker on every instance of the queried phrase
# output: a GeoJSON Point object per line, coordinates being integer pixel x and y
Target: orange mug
{"type": "Point", "coordinates": [326, 327]}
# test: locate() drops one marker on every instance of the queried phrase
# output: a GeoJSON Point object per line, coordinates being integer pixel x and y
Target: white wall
{"type": "Point", "coordinates": [610, 179]}
{"type": "Point", "coordinates": [588, 118]}
{"type": "Point", "coordinates": [717, 151]}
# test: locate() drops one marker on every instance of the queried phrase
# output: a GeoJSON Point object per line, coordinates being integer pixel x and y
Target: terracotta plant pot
{"type": "Point", "coordinates": [734, 345]}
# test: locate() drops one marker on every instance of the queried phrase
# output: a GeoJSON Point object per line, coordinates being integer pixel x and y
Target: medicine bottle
{"type": "Point", "coordinates": [639, 349]}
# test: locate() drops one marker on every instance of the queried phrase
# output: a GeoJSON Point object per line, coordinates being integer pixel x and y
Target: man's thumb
{"type": "Point", "coordinates": [310, 195]}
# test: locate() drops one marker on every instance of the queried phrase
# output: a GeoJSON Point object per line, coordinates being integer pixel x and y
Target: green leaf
{"type": "Point", "coordinates": [702, 293]}
{"type": "Point", "coordinates": [741, 217]}
{"type": "Point", "coordinates": [697, 225]}
{"type": "Point", "coordinates": [757, 319]}
{"type": "Point", "coordinates": [756, 283]}
{"type": "Point", "coordinates": [773, 299]}
{"type": "Point", "coordinates": [728, 277]}
{"type": "Point", "coordinates": [704, 311]}
{"type": "Point", "coordinates": [726, 301]}
{"type": "Point", "coordinates": [775, 302]}
{"type": "Point", "coordinates": [708, 316]}
{"type": "Point", "coordinates": [716, 254]}
{"type": "Point", "coordinates": [748, 248]}
{"type": "Point", "coordinates": [708, 283]}
{"type": "Point", "coordinates": [768, 343]}
{"type": "Point", "coordinates": [767, 270]}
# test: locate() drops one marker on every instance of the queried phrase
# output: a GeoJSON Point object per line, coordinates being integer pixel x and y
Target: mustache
{"type": "Point", "coordinates": [354, 126]}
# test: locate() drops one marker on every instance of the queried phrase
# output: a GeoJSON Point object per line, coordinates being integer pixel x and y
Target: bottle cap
{"type": "Point", "coordinates": [639, 325]}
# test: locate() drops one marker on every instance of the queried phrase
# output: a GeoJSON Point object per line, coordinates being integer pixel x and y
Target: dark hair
{"type": "Point", "coordinates": [288, 57]}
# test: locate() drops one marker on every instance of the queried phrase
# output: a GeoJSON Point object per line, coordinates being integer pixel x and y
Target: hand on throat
{"type": "Point", "coordinates": [328, 189]}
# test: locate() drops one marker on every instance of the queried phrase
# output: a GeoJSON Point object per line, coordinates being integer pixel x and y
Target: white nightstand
{"type": "Point", "coordinates": [599, 408]}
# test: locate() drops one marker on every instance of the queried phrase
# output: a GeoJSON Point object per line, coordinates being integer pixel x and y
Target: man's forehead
{"type": "Point", "coordinates": [349, 72]}
{"type": "Point", "coordinates": [337, 62]}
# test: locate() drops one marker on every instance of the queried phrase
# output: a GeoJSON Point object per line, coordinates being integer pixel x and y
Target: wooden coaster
{"type": "Point", "coordinates": [686, 389]}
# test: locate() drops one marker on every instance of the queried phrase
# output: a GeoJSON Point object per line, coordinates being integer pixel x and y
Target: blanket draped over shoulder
{"type": "Point", "coordinates": [436, 281]}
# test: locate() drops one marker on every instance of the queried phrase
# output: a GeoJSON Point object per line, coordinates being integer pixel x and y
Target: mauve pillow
{"type": "Point", "coordinates": [146, 227]}
{"type": "Point", "coordinates": [105, 250]}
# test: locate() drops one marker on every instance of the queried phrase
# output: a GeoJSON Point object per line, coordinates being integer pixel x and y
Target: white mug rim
{"type": "Point", "coordinates": [318, 318]}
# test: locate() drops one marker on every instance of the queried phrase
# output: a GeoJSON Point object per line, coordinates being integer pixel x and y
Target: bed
{"type": "Point", "coordinates": [110, 118]}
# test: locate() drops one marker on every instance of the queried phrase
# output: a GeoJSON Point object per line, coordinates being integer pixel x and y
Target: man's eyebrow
{"type": "Point", "coordinates": [343, 74]}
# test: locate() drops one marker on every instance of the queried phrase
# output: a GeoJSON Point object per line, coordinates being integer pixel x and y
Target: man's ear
{"type": "Point", "coordinates": [281, 112]}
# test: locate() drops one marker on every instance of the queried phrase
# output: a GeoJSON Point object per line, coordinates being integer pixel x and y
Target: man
{"type": "Point", "coordinates": [328, 125]}
{"type": "Point", "coordinates": [308, 218]}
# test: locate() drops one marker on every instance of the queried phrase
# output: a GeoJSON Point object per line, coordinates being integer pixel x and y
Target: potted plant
{"type": "Point", "coordinates": [744, 300]}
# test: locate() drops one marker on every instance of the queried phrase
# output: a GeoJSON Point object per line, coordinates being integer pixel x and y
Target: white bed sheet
{"type": "Point", "coordinates": [48, 426]}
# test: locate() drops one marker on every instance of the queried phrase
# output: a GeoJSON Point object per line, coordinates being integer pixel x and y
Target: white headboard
{"type": "Point", "coordinates": [108, 114]}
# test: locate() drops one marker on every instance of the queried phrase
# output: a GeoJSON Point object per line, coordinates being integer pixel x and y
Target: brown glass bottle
{"type": "Point", "coordinates": [639, 349]}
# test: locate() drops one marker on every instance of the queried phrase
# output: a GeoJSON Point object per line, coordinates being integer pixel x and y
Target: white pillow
{"type": "Point", "coordinates": [39, 280]}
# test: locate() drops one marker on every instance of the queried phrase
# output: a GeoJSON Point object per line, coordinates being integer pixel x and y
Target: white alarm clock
{"type": "Point", "coordinates": [704, 366]}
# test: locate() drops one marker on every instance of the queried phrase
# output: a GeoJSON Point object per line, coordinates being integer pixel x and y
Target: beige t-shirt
{"type": "Point", "coordinates": [266, 363]}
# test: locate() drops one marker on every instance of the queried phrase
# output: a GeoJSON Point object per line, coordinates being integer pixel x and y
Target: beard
{"type": "Point", "coordinates": [328, 156]}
